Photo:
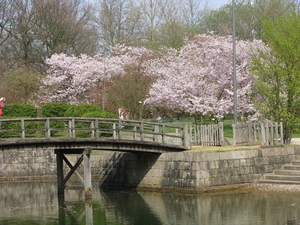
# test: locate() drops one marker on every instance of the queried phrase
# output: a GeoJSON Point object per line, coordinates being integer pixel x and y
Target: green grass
{"type": "Point", "coordinates": [296, 135]}
{"type": "Point", "coordinates": [228, 130]}
{"type": "Point", "coordinates": [227, 125]}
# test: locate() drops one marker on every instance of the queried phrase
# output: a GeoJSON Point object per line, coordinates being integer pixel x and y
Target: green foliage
{"type": "Point", "coordinates": [20, 84]}
{"type": "Point", "coordinates": [81, 109]}
{"type": "Point", "coordinates": [171, 34]}
{"type": "Point", "coordinates": [277, 73]}
{"type": "Point", "coordinates": [106, 128]}
{"type": "Point", "coordinates": [19, 111]}
{"type": "Point", "coordinates": [248, 17]}
{"type": "Point", "coordinates": [14, 127]}
{"type": "Point", "coordinates": [204, 119]}
{"type": "Point", "coordinates": [54, 109]}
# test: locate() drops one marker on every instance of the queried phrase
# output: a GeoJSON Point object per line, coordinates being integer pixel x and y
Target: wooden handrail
{"type": "Point", "coordinates": [95, 128]}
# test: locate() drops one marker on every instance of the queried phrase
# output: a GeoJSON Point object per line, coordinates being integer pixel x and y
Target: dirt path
{"type": "Point", "coordinates": [295, 141]}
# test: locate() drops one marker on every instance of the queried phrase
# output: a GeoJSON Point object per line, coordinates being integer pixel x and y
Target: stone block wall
{"type": "Point", "coordinates": [27, 164]}
{"type": "Point", "coordinates": [189, 170]}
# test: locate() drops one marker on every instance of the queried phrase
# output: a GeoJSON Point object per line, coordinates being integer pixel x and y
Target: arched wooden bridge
{"type": "Point", "coordinates": [96, 133]}
{"type": "Point", "coordinates": [82, 135]}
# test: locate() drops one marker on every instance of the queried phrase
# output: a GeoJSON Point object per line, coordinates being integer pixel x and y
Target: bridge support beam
{"type": "Point", "coordinates": [87, 173]}
{"type": "Point", "coordinates": [85, 157]}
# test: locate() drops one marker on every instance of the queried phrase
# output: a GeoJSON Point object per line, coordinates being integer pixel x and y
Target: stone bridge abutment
{"type": "Point", "coordinates": [185, 171]}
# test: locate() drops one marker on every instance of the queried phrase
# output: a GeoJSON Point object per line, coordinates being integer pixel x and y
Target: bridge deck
{"type": "Point", "coordinates": [73, 145]}
{"type": "Point", "coordinates": [97, 133]}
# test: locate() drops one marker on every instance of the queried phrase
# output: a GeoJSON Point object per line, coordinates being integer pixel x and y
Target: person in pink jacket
{"type": "Point", "coordinates": [2, 100]}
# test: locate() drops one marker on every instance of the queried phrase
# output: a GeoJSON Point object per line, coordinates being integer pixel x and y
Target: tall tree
{"type": "Point", "coordinates": [277, 72]}
{"type": "Point", "coordinates": [118, 22]}
{"type": "Point", "coordinates": [131, 90]}
{"type": "Point", "coordinates": [249, 14]}
{"type": "Point", "coordinates": [181, 22]}
{"type": "Point", "coordinates": [6, 14]}
{"type": "Point", "coordinates": [39, 28]}
{"type": "Point", "coordinates": [118, 79]}
{"type": "Point", "coordinates": [20, 85]}
{"type": "Point", "coordinates": [64, 26]}
{"type": "Point", "coordinates": [198, 78]}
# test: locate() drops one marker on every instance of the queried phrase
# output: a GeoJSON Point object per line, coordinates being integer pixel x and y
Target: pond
{"type": "Point", "coordinates": [37, 203]}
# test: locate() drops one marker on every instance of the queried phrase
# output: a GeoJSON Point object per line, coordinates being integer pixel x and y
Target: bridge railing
{"type": "Point", "coordinates": [94, 128]}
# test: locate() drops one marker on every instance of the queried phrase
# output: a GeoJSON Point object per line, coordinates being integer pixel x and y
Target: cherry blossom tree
{"type": "Point", "coordinates": [198, 78]}
{"type": "Point", "coordinates": [73, 79]}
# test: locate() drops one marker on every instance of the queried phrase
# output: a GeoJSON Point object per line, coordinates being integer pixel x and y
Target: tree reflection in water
{"type": "Point", "coordinates": [37, 203]}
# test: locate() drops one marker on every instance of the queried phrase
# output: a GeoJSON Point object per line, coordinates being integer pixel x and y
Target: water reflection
{"type": "Point", "coordinates": [66, 214]}
{"type": "Point", "coordinates": [37, 203]}
{"type": "Point", "coordinates": [129, 207]}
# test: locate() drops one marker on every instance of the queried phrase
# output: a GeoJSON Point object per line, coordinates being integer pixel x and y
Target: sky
{"type": "Point", "coordinates": [213, 3]}
{"type": "Point", "coordinates": [218, 3]}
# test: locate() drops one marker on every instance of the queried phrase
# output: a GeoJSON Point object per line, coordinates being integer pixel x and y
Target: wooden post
{"type": "Point", "coordinates": [185, 136]}
{"type": "Point", "coordinates": [234, 133]}
{"type": "Point", "coordinates": [134, 133]}
{"type": "Point", "coordinates": [114, 131]}
{"type": "Point", "coordinates": [92, 126]}
{"type": "Point", "coordinates": [163, 132]}
{"type": "Point", "coordinates": [221, 131]}
{"type": "Point", "coordinates": [250, 133]}
{"type": "Point", "coordinates": [87, 173]}
{"type": "Point", "coordinates": [85, 157]}
{"type": "Point", "coordinates": [47, 128]}
{"type": "Point", "coordinates": [262, 134]}
{"type": "Point", "coordinates": [73, 128]}
{"type": "Point", "coordinates": [272, 134]}
{"type": "Point", "coordinates": [276, 133]}
{"type": "Point", "coordinates": [267, 134]}
{"type": "Point", "coordinates": [60, 173]}
{"type": "Point", "coordinates": [281, 132]}
{"type": "Point", "coordinates": [22, 129]}
{"type": "Point", "coordinates": [97, 133]}
{"type": "Point", "coordinates": [142, 131]}
{"type": "Point", "coordinates": [155, 133]}
{"type": "Point", "coordinates": [88, 212]}
{"type": "Point", "coordinates": [119, 129]}
{"type": "Point", "coordinates": [61, 210]}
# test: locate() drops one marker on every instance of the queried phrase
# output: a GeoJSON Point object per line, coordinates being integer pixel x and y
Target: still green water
{"type": "Point", "coordinates": [37, 203]}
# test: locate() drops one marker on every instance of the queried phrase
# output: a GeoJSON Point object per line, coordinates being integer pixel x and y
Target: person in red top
{"type": "Point", "coordinates": [2, 100]}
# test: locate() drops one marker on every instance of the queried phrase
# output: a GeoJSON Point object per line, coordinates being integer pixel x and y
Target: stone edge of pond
{"type": "Point", "coordinates": [237, 188]}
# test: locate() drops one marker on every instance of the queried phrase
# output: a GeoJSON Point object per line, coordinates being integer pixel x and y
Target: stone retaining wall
{"type": "Point", "coordinates": [193, 170]}
{"type": "Point", "coordinates": [181, 171]}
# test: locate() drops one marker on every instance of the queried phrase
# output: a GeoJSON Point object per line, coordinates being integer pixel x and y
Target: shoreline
{"type": "Point", "coordinates": [223, 189]}
{"type": "Point", "coordinates": [274, 188]}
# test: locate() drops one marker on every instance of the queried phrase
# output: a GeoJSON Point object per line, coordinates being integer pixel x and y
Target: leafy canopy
{"type": "Point", "coordinates": [276, 89]}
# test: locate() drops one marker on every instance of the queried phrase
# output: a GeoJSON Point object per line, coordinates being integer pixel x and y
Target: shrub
{"type": "Point", "coordinates": [15, 129]}
{"type": "Point", "coordinates": [81, 109]}
{"type": "Point", "coordinates": [54, 109]}
{"type": "Point", "coordinates": [95, 114]}
{"type": "Point", "coordinates": [19, 111]}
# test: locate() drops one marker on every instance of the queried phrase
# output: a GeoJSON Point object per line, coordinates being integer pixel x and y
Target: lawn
{"type": "Point", "coordinates": [227, 125]}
